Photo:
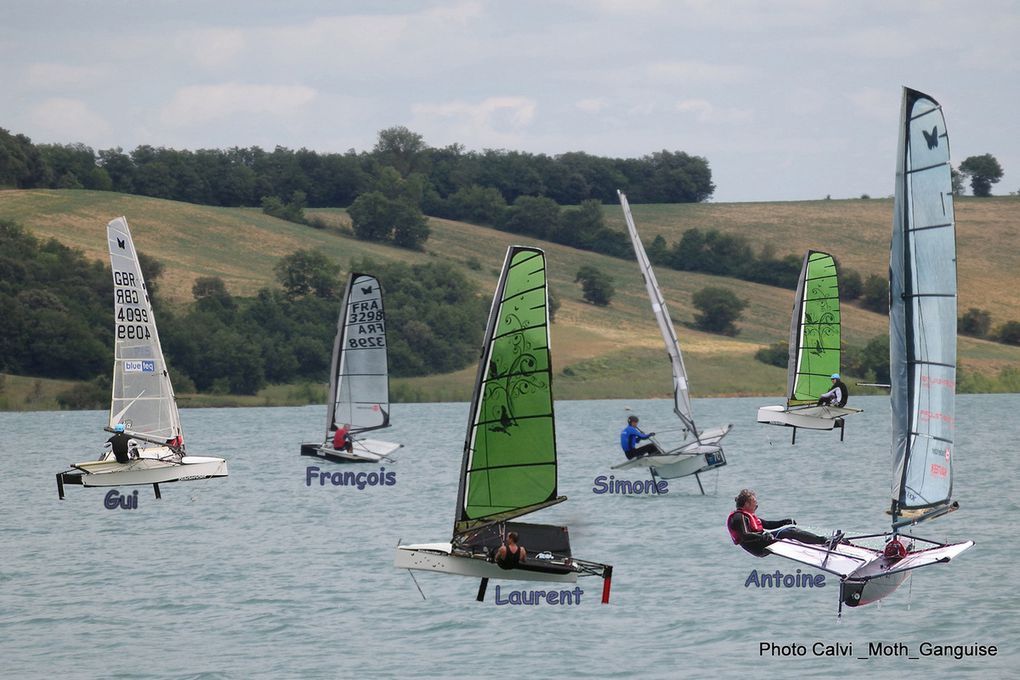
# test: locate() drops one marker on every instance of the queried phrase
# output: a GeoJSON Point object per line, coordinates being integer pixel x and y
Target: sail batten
{"type": "Point", "coordinates": [509, 464]}
{"type": "Point", "coordinates": [922, 319]}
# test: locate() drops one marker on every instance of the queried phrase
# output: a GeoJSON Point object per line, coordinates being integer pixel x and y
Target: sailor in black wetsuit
{"type": "Point", "coordinates": [119, 443]}
{"type": "Point", "coordinates": [837, 396]}
{"type": "Point", "coordinates": [754, 535]}
{"type": "Point", "coordinates": [510, 554]}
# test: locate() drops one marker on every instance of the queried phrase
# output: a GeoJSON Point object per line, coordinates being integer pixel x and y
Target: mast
{"type": "Point", "coordinates": [359, 375]}
{"type": "Point", "coordinates": [814, 330]}
{"type": "Point", "coordinates": [681, 395]}
{"type": "Point", "coordinates": [509, 463]}
{"type": "Point", "coordinates": [142, 397]}
{"type": "Point", "coordinates": [922, 317]}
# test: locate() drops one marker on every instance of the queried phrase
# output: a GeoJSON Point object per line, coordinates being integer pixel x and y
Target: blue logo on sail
{"type": "Point", "coordinates": [140, 366]}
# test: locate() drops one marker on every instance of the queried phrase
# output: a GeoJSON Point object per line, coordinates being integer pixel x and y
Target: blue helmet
{"type": "Point", "coordinates": [119, 427]}
{"type": "Point", "coordinates": [835, 376]}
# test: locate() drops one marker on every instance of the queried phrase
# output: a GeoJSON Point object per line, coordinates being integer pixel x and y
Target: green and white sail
{"type": "Point", "coordinates": [359, 394]}
{"type": "Point", "coordinates": [509, 465]}
{"type": "Point", "coordinates": [922, 316]}
{"type": "Point", "coordinates": [142, 397]}
{"type": "Point", "coordinates": [814, 331]}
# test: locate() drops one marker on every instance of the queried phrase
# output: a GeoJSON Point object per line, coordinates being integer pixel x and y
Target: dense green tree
{"type": "Point", "coordinates": [850, 284]}
{"type": "Point", "coordinates": [776, 354]}
{"type": "Point", "coordinates": [596, 285]}
{"type": "Point", "coordinates": [875, 294]}
{"type": "Point", "coordinates": [1009, 333]}
{"type": "Point", "coordinates": [975, 322]}
{"type": "Point", "coordinates": [401, 149]}
{"type": "Point", "coordinates": [720, 310]}
{"type": "Point", "coordinates": [370, 216]}
{"type": "Point", "coordinates": [533, 216]}
{"type": "Point", "coordinates": [984, 171]}
{"type": "Point", "coordinates": [410, 227]}
{"type": "Point", "coordinates": [308, 272]}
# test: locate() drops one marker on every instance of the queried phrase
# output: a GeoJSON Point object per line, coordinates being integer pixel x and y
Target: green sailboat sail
{"type": "Point", "coordinates": [814, 330]}
{"type": "Point", "coordinates": [509, 465]}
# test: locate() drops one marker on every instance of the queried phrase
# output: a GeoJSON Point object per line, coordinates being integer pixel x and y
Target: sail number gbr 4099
{"type": "Point", "coordinates": [132, 318]}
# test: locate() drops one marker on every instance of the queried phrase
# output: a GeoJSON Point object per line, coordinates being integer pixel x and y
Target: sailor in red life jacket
{"type": "Point", "coordinates": [342, 439]}
{"type": "Point", "coordinates": [755, 535]}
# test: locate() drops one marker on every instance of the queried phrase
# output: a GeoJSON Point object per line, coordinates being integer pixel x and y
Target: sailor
{"type": "Point", "coordinates": [510, 554]}
{"type": "Point", "coordinates": [342, 439]}
{"type": "Point", "coordinates": [755, 535]}
{"type": "Point", "coordinates": [631, 435]}
{"type": "Point", "coordinates": [837, 395]}
{"type": "Point", "coordinates": [119, 442]}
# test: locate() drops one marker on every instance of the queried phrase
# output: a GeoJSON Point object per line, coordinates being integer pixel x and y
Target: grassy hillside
{"type": "Point", "coordinates": [614, 351]}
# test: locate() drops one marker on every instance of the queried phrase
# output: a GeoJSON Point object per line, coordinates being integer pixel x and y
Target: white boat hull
{"type": "Point", "coordinates": [808, 418]}
{"type": "Point", "coordinates": [149, 471]}
{"type": "Point", "coordinates": [693, 457]}
{"type": "Point", "coordinates": [364, 451]}
{"type": "Point", "coordinates": [439, 557]}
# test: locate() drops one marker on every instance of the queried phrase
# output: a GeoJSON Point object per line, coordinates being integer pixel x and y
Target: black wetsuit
{"type": "Point", "coordinates": [843, 393]}
{"type": "Point", "coordinates": [119, 444]}
{"type": "Point", "coordinates": [756, 542]}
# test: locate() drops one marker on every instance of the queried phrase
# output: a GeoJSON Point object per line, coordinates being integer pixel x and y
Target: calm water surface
{"type": "Point", "coordinates": [259, 575]}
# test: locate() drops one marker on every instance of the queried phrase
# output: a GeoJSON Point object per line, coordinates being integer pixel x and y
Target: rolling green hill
{"type": "Point", "coordinates": [613, 351]}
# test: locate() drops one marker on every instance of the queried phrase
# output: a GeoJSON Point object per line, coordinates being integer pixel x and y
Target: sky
{"type": "Point", "coordinates": [786, 99]}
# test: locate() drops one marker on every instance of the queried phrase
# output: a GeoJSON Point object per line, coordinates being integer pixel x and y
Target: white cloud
{"type": "Point", "coordinates": [69, 120]}
{"type": "Point", "coordinates": [198, 104]}
{"type": "Point", "coordinates": [704, 111]}
{"type": "Point", "coordinates": [696, 71]}
{"type": "Point", "coordinates": [213, 48]}
{"type": "Point", "coordinates": [595, 105]}
{"type": "Point", "coordinates": [490, 113]}
{"type": "Point", "coordinates": [62, 76]}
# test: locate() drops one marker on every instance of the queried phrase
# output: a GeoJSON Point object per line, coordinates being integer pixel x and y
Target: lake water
{"type": "Point", "coordinates": [259, 575]}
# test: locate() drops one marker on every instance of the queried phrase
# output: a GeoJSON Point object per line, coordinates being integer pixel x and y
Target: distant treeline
{"type": "Point", "coordinates": [243, 176]}
{"type": "Point", "coordinates": [57, 312]}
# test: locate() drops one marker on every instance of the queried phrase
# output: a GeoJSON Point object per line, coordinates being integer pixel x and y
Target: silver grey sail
{"type": "Point", "coordinates": [922, 318]}
{"type": "Point", "coordinates": [142, 398]}
{"type": "Point", "coordinates": [681, 395]}
{"type": "Point", "coordinates": [359, 394]}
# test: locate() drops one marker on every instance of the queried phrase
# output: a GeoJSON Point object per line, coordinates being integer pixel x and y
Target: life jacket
{"type": "Point", "coordinates": [340, 439]}
{"type": "Point", "coordinates": [751, 519]}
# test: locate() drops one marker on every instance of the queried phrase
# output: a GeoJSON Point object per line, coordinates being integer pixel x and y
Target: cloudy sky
{"type": "Point", "coordinates": [787, 99]}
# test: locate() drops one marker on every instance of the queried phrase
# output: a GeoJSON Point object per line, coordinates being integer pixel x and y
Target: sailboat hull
{"type": "Point", "coordinates": [810, 418]}
{"type": "Point", "coordinates": [144, 471]}
{"type": "Point", "coordinates": [686, 460]}
{"type": "Point", "coordinates": [365, 451]}
{"type": "Point", "coordinates": [440, 557]}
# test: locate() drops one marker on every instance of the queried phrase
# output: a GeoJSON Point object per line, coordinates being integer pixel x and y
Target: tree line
{"type": "Point", "coordinates": [244, 176]}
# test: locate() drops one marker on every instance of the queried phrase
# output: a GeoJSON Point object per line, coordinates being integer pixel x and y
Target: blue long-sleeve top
{"type": "Point", "coordinates": [630, 436]}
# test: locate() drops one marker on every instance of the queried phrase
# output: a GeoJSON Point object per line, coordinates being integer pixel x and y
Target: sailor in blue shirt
{"type": "Point", "coordinates": [631, 435]}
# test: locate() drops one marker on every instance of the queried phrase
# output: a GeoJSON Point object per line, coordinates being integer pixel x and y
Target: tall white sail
{"type": "Point", "coordinates": [359, 393]}
{"type": "Point", "coordinates": [922, 318]}
{"type": "Point", "coordinates": [681, 397]}
{"type": "Point", "coordinates": [143, 398]}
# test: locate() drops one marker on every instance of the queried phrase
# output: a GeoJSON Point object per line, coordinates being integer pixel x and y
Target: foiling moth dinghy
{"type": "Point", "coordinates": [704, 452]}
{"type": "Point", "coordinates": [142, 401]}
{"type": "Point", "coordinates": [814, 351]}
{"type": "Point", "coordinates": [509, 463]}
{"type": "Point", "coordinates": [359, 392]}
{"type": "Point", "coordinates": [922, 360]}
